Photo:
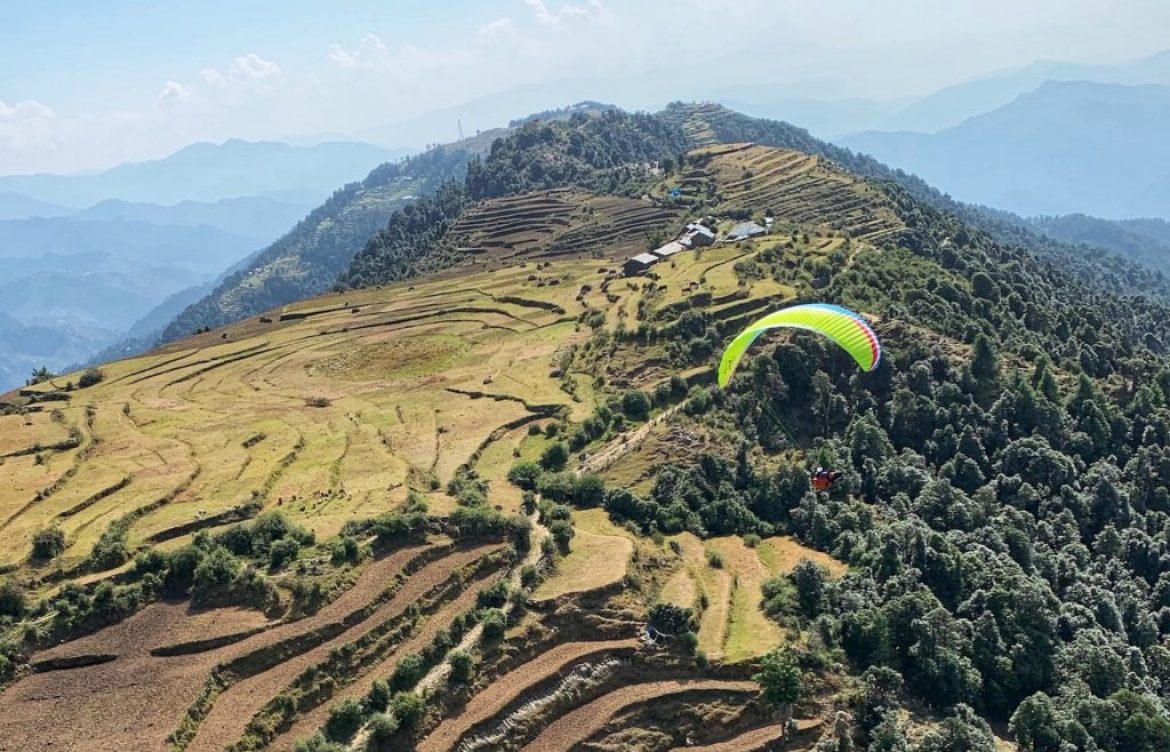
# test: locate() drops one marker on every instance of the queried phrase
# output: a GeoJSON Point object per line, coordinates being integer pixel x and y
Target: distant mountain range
{"type": "Point", "coordinates": [1068, 146]}
{"type": "Point", "coordinates": [210, 172]}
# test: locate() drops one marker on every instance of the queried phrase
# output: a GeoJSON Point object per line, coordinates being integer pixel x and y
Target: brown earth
{"type": "Point", "coordinates": [507, 688]}
{"type": "Point", "coordinates": [134, 702]}
{"type": "Point", "coordinates": [756, 740]}
{"type": "Point", "coordinates": [234, 708]}
{"type": "Point", "coordinates": [581, 723]}
{"type": "Point", "coordinates": [314, 719]}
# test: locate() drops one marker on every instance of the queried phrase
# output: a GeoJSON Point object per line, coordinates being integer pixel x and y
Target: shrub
{"type": "Point", "coordinates": [345, 718]}
{"type": "Point", "coordinates": [318, 401]}
{"type": "Point", "coordinates": [282, 552]}
{"type": "Point", "coordinates": [534, 429]}
{"type": "Point", "coordinates": [214, 572]}
{"type": "Point", "coordinates": [751, 540]}
{"type": "Point", "coordinates": [562, 532]}
{"type": "Point", "coordinates": [554, 457]}
{"type": "Point", "coordinates": [47, 543]}
{"type": "Point", "coordinates": [345, 549]}
{"type": "Point", "coordinates": [636, 405]}
{"type": "Point", "coordinates": [672, 619]}
{"type": "Point", "coordinates": [462, 666]}
{"type": "Point", "coordinates": [589, 491]}
{"type": "Point", "coordinates": [496, 595]}
{"type": "Point", "coordinates": [90, 377]}
{"type": "Point", "coordinates": [378, 698]}
{"type": "Point", "coordinates": [383, 726]}
{"type": "Point", "coordinates": [408, 672]}
{"type": "Point", "coordinates": [494, 623]}
{"type": "Point", "coordinates": [714, 560]}
{"type": "Point", "coordinates": [557, 486]}
{"type": "Point", "coordinates": [12, 600]}
{"type": "Point", "coordinates": [317, 743]}
{"type": "Point", "coordinates": [525, 475]}
{"type": "Point", "coordinates": [407, 707]}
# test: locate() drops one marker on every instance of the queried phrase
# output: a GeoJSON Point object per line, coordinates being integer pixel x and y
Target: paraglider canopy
{"type": "Point", "coordinates": [841, 325]}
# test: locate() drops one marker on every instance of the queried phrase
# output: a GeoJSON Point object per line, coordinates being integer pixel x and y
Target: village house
{"type": "Point", "coordinates": [638, 264]}
{"type": "Point", "coordinates": [743, 231]}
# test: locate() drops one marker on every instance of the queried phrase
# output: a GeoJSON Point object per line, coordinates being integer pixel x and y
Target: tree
{"type": "Point", "coordinates": [1034, 725]}
{"type": "Point", "coordinates": [90, 377]}
{"type": "Point", "coordinates": [40, 375]}
{"type": "Point", "coordinates": [345, 718]}
{"type": "Point", "coordinates": [636, 405]}
{"type": "Point", "coordinates": [525, 475]}
{"type": "Point", "coordinates": [589, 491]}
{"type": "Point", "coordinates": [811, 580]}
{"type": "Point", "coordinates": [780, 678]}
{"type": "Point", "coordinates": [12, 600]}
{"type": "Point", "coordinates": [554, 457]}
{"type": "Point", "coordinates": [963, 731]}
{"type": "Point", "coordinates": [984, 361]}
{"type": "Point", "coordinates": [408, 708]}
{"type": "Point", "coordinates": [462, 666]}
{"type": "Point", "coordinates": [47, 543]}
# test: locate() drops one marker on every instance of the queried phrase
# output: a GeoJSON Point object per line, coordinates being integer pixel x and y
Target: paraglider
{"type": "Point", "coordinates": [823, 480]}
{"type": "Point", "coordinates": [844, 327]}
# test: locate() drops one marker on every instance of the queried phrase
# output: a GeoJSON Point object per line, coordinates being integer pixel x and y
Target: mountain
{"type": "Point", "coordinates": [308, 259]}
{"type": "Point", "coordinates": [1067, 147]}
{"type": "Point", "coordinates": [954, 104]}
{"type": "Point", "coordinates": [210, 172]}
{"type": "Point", "coordinates": [201, 249]}
{"type": "Point", "coordinates": [1146, 241]}
{"type": "Point", "coordinates": [17, 206]}
{"type": "Point", "coordinates": [510, 484]}
{"type": "Point", "coordinates": [27, 347]}
{"type": "Point", "coordinates": [260, 218]}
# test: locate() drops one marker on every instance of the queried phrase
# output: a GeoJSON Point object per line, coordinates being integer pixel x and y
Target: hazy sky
{"type": "Point", "coordinates": [89, 84]}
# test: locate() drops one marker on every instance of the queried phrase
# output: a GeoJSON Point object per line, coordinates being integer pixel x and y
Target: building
{"type": "Point", "coordinates": [697, 235]}
{"type": "Point", "coordinates": [669, 249]}
{"type": "Point", "coordinates": [639, 264]}
{"type": "Point", "coordinates": [743, 231]}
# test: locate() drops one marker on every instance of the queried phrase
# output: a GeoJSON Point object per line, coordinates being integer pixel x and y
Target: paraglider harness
{"type": "Point", "coordinates": [823, 480]}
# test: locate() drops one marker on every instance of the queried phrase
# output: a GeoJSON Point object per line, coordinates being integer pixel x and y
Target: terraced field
{"type": "Point", "coordinates": [797, 188]}
{"type": "Point", "coordinates": [342, 407]}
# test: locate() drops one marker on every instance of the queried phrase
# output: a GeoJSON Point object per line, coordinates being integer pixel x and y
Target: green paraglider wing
{"type": "Point", "coordinates": [841, 325]}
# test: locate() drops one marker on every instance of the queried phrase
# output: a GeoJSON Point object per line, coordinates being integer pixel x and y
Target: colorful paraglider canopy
{"type": "Point", "coordinates": [841, 325]}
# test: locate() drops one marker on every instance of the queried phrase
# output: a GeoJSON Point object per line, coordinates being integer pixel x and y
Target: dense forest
{"type": "Point", "coordinates": [1005, 501]}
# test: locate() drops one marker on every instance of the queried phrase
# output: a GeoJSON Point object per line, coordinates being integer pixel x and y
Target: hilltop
{"type": "Point", "coordinates": [452, 505]}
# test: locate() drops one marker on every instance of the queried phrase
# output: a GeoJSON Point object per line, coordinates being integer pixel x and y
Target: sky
{"type": "Point", "coordinates": [86, 85]}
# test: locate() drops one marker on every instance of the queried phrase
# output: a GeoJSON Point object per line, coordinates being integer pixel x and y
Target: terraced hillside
{"type": "Point", "coordinates": [345, 415]}
{"type": "Point", "coordinates": [559, 223]}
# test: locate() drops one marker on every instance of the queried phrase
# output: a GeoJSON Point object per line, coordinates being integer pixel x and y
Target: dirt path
{"type": "Point", "coordinates": [314, 719]}
{"type": "Point", "coordinates": [233, 709]}
{"type": "Point", "coordinates": [755, 740]}
{"type": "Point", "coordinates": [623, 445]}
{"type": "Point", "coordinates": [507, 688]}
{"type": "Point", "coordinates": [573, 727]}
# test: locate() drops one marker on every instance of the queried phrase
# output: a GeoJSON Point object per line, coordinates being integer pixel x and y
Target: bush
{"type": "Point", "coordinates": [751, 540]}
{"type": "Point", "coordinates": [557, 486]}
{"type": "Point", "coordinates": [589, 491]}
{"type": "Point", "coordinates": [490, 597]}
{"type": "Point", "coordinates": [90, 377]}
{"type": "Point", "coordinates": [494, 624]}
{"type": "Point", "coordinates": [383, 726]}
{"type": "Point", "coordinates": [554, 457]}
{"type": "Point", "coordinates": [525, 475]}
{"type": "Point", "coordinates": [636, 405]}
{"type": "Point", "coordinates": [378, 698]}
{"type": "Point", "coordinates": [462, 666]}
{"type": "Point", "coordinates": [318, 743]}
{"type": "Point", "coordinates": [672, 619]}
{"type": "Point", "coordinates": [407, 707]}
{"type": "Point", "coordinates": [213, 573]}
{"type": "Point", "coordinates": [345, 549]}
{"type": "Point", "coordinates": [345, 718]}
{"type": "Point", "coordinates": [282, 552]}
{"type": "Point", "coordinates": [318, 401]}
{"type": "Point", "coordinates": [714, 560]}
{"type": "Point", "coordinates": [408, 672]}
{"type": "Point", "coordinates": [12, 600]}
{"type": "Point", "coordinates": [534, 429]}
{"type": "Point", "coordinates": [48, 543]}
{"type": "Point", "coordinates": [562, 532]}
